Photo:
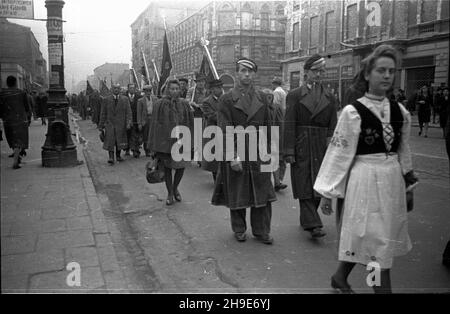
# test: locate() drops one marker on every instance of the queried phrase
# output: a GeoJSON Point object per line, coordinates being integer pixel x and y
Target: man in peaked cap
{"type": "Point", "coordinates": [311, 117]}
{"type": "Point", "coordinates": [240, 182]}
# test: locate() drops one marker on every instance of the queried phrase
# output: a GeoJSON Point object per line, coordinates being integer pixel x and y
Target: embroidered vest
{"type": "Point", "coordinates": [371, 139]}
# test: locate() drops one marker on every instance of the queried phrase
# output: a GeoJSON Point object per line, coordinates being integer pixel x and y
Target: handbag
{"type": "Point", "coordinates": [154, 171]}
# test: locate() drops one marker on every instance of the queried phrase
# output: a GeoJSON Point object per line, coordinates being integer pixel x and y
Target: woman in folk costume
{"type": "Point", "coordinates": [368, 164]}
{"type": "Point", "coordinates": [168, 113]}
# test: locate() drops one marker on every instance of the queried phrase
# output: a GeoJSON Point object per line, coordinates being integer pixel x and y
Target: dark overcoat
{"type": "Point", "coordinates": [210, 107]}
{"type": "Point", "coordinates": [167, 114]}
{"type": "Point", "coordinates": [116, 120]}
{"type": "Point", "coordinates": [308, 124]}
{"type": "Point", "coordinates": [95, 104]}
{"type": "Point", "coordinates": [251, 187]}
{"type": "Point", "coordinates": [15, 111]}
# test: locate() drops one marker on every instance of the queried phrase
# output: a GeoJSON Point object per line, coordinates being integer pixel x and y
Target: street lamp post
{"type": "Point", "coordinates": [59, 149]}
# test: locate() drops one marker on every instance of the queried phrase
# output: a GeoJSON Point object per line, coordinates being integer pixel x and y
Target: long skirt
{"type": "Point", "coordinates": [374, 222]}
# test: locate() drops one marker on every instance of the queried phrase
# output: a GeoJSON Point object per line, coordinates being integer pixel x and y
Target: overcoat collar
{"type": "Point", "coordinates": [255, 106]}
{"type": "Point", "coordinates": [307, 100]}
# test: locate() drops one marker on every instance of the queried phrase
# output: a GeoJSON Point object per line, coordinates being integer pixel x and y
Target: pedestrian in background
{"type": "Point", "coordinates": [367, 163]}
{"type": "Point", "coordinates": [15, 111]}
{"type": "Point", "coordinates": [184, 82]}
{"type": "Point", "coordinates": [443, 104]}
{"type": "Point", "coordinates": [95, 105]}
{"type": "Point", "coordinates": [115, 120]}
{"type": "Point", "coordinates": [311, 117]}
{"type": "Point", "coordinates": [144, 115]}
{"type": "Point", "coordinates": [169, 112]}
{"type": "Point", "coordinates": [424, 103]}
{"type": "Point", "coordinates": [279, 102]}
{"type": "Point", "coordinates": [209, 108]}
{"type": "Point", "coordinates": [195, 97]}
{"type": "Point", "coordinates": [134, 134]}
{"type": "Point", "coordinates": [240, 182]}
{"type": "Point", "coordinates": [41, 106]}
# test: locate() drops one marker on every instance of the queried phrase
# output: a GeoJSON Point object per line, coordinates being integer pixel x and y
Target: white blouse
{"type": "Point", "coordinates": [332, 178]}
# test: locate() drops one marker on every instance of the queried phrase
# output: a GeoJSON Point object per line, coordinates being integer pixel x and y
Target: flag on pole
{"type": "Point", "coordinates": [205, 69]}
{"type": "Point", "coordinates": [166, 65]}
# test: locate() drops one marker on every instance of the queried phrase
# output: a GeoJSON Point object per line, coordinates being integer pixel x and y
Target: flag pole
{"type": "Point", "coordinates": [135, 78]}
{"type": "Point", "coordinates": [155, 69]}
{"type": "Point", "coordinates": [147, 73]}
{"type": "Point", "coordinates": [204, 44]}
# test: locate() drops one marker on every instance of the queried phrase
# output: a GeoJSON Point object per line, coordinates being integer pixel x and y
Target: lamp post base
{"type": "Point", "coordinates": [59, 158]}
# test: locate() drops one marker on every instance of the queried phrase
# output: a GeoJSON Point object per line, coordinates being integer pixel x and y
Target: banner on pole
{"type": "Point", "coordinates": [17, 9]}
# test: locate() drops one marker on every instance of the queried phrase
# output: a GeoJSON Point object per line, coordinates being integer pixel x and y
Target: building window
{"type": "Point", "coordinates": [296, 6]}
{"type": "Point", "coordinates": [445, 10]}
{"type": "Point", "coordinates": [295, 36]}
{"type": "Point", "coordinates": [265, 22]}
{"type": "Point", "coordinates": [330, 29]}
{"type": "Point", "coordinates": [245, 51]}
{"type": "Point", "coordinates": [265, 55]}
{"type": "Point", "coordinates": [226, 21]}
{"type": "Point", "coordinates": [226, 54]}
{"type": "Point", "coordinates": [352, 21]}
{"type": "Point", "coordinates": [246, 20]}
{"type": "Point", "coordinates": [294, 80]}
{"type": "Point", "coordinates": [314, 33]}
{"type": "Point", "coordinates": [428, 11]}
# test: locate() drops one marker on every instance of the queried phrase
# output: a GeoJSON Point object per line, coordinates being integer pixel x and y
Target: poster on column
{"type": "Point", "coordinates": [55, 53]}
{"type": "Point", "coordinates": [17, 9]}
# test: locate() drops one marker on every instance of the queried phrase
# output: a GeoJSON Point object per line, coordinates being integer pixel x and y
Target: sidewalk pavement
{"type": "Point", "coordinates": [51, 217]}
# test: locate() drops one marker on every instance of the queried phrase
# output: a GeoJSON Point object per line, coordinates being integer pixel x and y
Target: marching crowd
{"type": "Point", "coordinates": [361, 158]}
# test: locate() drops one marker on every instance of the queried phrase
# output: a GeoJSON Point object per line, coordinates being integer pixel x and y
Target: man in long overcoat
{"type": "Point", "coordinates": [241, 183]}
{"type": "Point", "coordinates": [210, 107]}
{"type": "Point", "coordinates": [134, 134]}
{"type": "Point", "coordinates": [115, 120]}
{"type": "Point", "coordinates": [144, 115]}
{"type": "Point", "coordinates": [15, 111]}
{"type": "Point", "coordinates": [310, 120]}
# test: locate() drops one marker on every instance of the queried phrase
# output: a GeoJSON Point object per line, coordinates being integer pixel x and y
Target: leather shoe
{"type": "Point", "coordinates": [110, 161]}
{"type": "Point", "coordinates": [264, 239]}
{"type": "Point", "coordinates": [317, 233]}
{"type": "Point", "coordinates": [280, 186]}
{"type": "Point", "coordinates": [342, 287]}
{"type": "Point", "coordinates": [241, 237]}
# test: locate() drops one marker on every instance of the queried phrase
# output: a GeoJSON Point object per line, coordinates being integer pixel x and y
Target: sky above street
{"type": "Point", "coordinates": [96, 31]}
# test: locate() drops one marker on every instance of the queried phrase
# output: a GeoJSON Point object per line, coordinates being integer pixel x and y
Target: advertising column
{"type": "Point", "coordinates": [59, 149]}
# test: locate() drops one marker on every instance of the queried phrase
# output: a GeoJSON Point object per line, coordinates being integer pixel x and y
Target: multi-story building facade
{"type": "Point", "coordinates": [148, 30]}
{"type": "Point", "coordinates": [251, 29]}
{"type": "Point", "coordinates": [20, 56]}
{"type": "Point", "coordinates": [346, 31]}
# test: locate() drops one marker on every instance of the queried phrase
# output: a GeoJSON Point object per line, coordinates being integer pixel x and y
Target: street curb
{"type": "Point", "coordinates": [106, 253]}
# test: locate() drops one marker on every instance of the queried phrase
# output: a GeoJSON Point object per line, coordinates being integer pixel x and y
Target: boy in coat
{"type": "Point", "coordinates": [240, 182]}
